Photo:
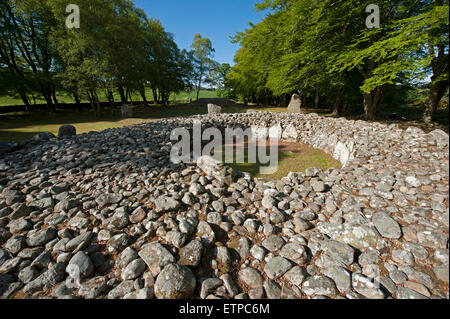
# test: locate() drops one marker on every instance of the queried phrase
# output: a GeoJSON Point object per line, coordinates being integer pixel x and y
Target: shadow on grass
{"type": "Point", "coordinates": [22, 126]}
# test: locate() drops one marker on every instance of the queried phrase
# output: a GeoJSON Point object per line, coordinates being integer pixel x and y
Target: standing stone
{"type": "Point", "coordinates": [295, 104]}
{"type": "Point", "coordinates": [67, 131]}
{"type": "Point", "coordinates": [214, 109]}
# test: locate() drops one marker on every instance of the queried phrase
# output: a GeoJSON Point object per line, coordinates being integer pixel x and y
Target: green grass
{"type": "Point", "coordinates": [66, 98]}
{"type": "Point", "coordinates": [292, 157]}
{"type": "Point", "coordinates": [22, 125]}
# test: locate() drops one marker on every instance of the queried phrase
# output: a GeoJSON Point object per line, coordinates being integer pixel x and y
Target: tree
{"type": "Point", "coordinates": [25, 27]}
{"type": "Point", "coordinates": [324, 49]}
{"type": "Point", "coordinates": [218, 78]}
{"type": "Point", "coordinates": [415, 46]}
{"type": "Point", "coordinates": [202, 62]}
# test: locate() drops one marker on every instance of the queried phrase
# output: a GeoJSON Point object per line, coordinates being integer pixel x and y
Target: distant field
{"type": "Point", "coordinates": [65, 98]}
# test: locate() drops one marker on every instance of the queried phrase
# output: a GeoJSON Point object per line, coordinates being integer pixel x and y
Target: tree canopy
{"type": "Point", "coordinates": [117, 48]}
{"type": "Point", "coordinates": [324, 49]}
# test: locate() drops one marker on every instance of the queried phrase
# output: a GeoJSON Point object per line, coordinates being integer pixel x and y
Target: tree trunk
{"type": "Point", "coordinates": [110, 96]}
{"type": "Point", "coordinates": [98, 109]}
{"type": "Point", "coordinates": [372, 101]}
{"type": "Point", "coordinates": [47, 94]}
{"type": "Point", "coordinates": [317, 99]}
{"type": "Point", "coordinates": [123, 98]}
{"type": "Point", "coordinates": [336, 104]}
{"type": "Point", "coordinates": [155, 96]}
{"type": "Point", "coordinates": [439, 65]}
{"type": "Point", "coordinates": [55, 100]}
{"type": "Point", "coordinates": [142, 92]}
{"type": "Point", "coordinates": [77, 101]}
{"type": "Point", "coordinates": [91, 99]}
{"type": "Point", "coordinates": [437, 91]}
{"type": "Point", "coordinates": [26, 101]}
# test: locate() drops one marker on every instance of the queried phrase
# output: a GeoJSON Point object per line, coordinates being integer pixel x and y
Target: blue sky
{"type": "Point", "coordinates": [215, 19]}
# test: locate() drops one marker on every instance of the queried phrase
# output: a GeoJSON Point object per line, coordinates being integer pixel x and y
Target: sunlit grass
{"type": "Point", "coordinates": [292, 157]}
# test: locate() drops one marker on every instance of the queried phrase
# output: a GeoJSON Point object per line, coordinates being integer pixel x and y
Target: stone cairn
{"type": "Point", "coordinates": [295, 104]}
{"type": "Point", "coordinates": [107, 215]}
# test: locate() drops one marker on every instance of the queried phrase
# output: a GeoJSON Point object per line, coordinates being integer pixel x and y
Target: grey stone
{"type": "Point", "coordinates": [15, 244]}
{"type": "Point", "coordinates": [251, 277]}
{"type": "Point", "coordinates": [80, 266]}
{"type": "Point", "coordinates": [190, 255]}
{"type": "Point", "coordinates": [273, 243]}
{"type": "Point", "coordinates": [340, 276]}
{"type": "Point", "coordinates": [19, 225]}
{"type": "Point", "coordinates": [216, 169]}
{"type": "Point", "coordinates": [387, 227]}
{"type": "Point", "coordinates": [21, 211]}
{"type": "Point", "coordinates": [406, 293]}
{"type": "Point", "coordinates": [295, 104]}
{"type": "Point", "coordinates": [27, 274]}
{"type": "Point", "coordinates": [339, 251]}
{"type": "Point", "coordinates": [80, 242]}
{"type": "Point", "coordinates": [175, 282]}
{"type": "Point", "coordinates": [403, 257]}
{"type": "Point", "coordinates": [230, 285]}
{"type": "Point", "coordinates": [366, 287]}
{"type": "Point", "coordinates": [121, 290]}
{"type": "Point", "coordinates": [48, 279]}
{"type": "Point", "coordinates": [294, 252]}
{"type": "Point", "coordinates": [273, 290]}
{"type": "Point", "coordinates": [41, 237]}
{"type": "Point", "coordinates": [93, 288]}
{"type": "Point", "coordinates": [156, 256]}
{"type": "Point", "coordinates": [277, 267]}
{"type": "Point", "coordinates": [258, 252]}
{"type": "Point", "coordinates": [209, 285]}
{"type": "Point", "coordinates": [296, 275]}
{"type": "Point", "coordinates": [165, 204]}
{"type": "Point", "coordinates": [141, 294]}
{"type": "Point", "coordinates": [67, 131]}
{"type": "Point", "coordinates": [108, 199]}
{"type": "Point", "coordinates": [133, 270]}
{"type": "Point", "coordinates": [214, 109]}
{"type": "Point", "coordinates": [319, 285]}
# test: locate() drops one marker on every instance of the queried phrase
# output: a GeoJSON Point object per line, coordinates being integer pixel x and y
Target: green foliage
{"type": "Point", "coordinates": [202, 62]}
{"type": "Point", "coordinates": [116, 48]}
{"type": "Point", "coordinates": [405, 46]}
{"type": "Point", "coordinates": [324, 48]}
